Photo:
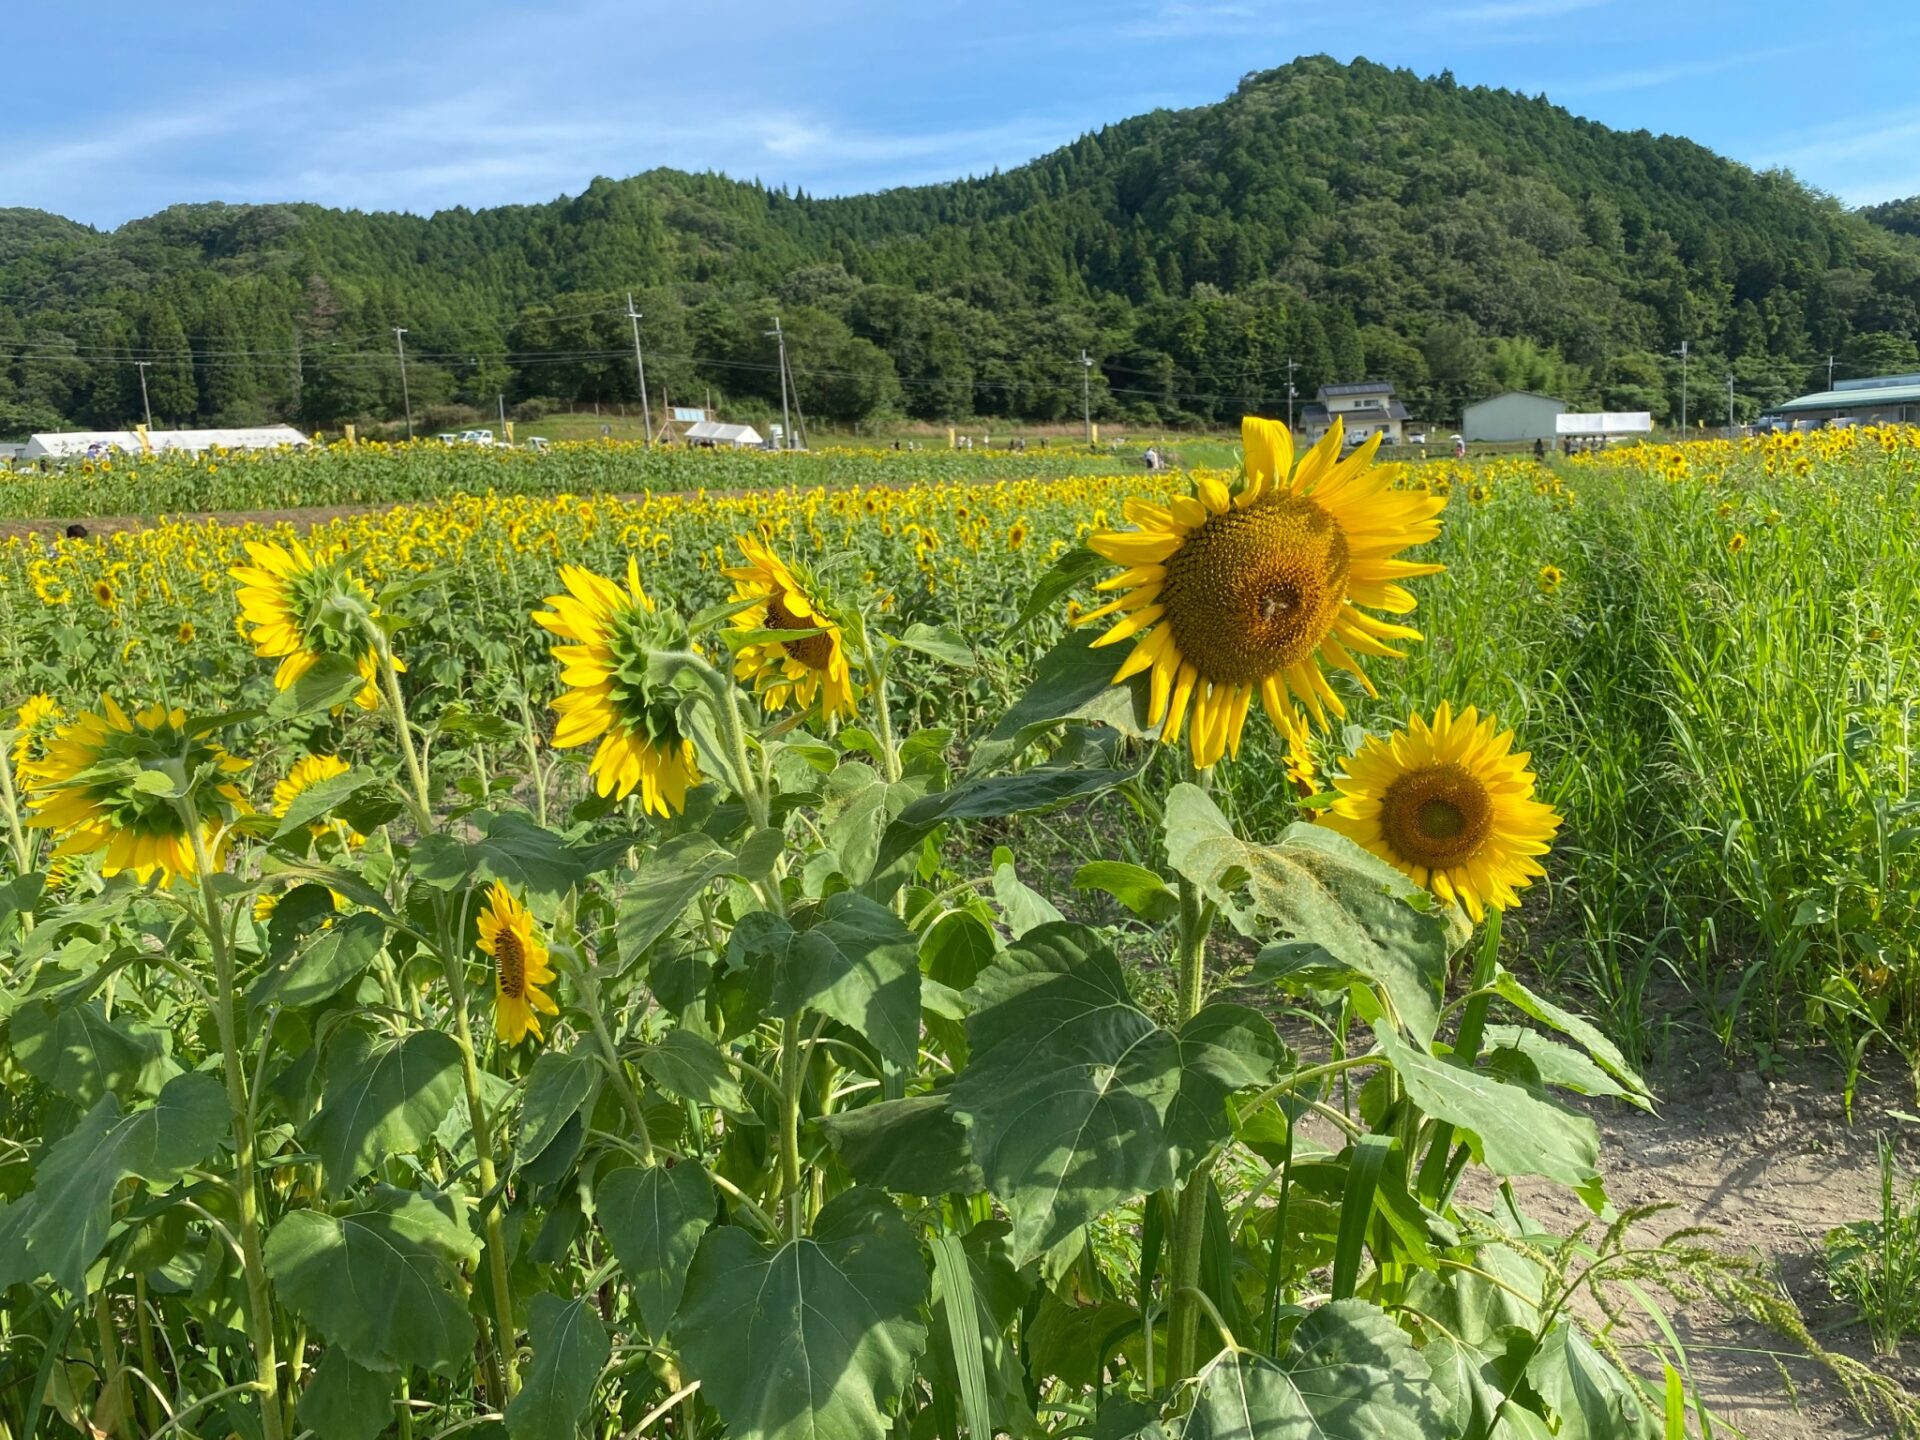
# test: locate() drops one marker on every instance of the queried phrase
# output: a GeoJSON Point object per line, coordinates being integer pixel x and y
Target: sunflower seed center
{"type": "Point", "coordinates": [813, 651]}
{"type": "Point", "coordinates": [510, 964]}
{"type": "Point", "coordinates": [1437, 816]}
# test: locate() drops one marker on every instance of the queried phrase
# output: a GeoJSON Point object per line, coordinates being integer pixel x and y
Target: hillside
{"type": "Point", "coordinates": [1357, 219]}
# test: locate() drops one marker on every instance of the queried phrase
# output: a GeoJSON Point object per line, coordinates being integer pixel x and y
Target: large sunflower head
{"type": "Point", "coordinates": [307, 772]}
{"type": "Point", "coordinates": [811, 664]}
{"type": "Point", "coordinates": [303, 605]}
{"type": "Point", "coordinates": [119, 785]}
{"type": "Point", "coordinates": [1449, 802]}
{"type": "Point", "coordinates": [519, 966]}
{"type": "Point", "coordinates": [610, 695]}
{"type": "Point", "coordinates": [1228, 594]}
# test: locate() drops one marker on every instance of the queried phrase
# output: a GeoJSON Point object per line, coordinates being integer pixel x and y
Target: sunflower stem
{"type": "Point", "coordinates": [1438, 1173]}
{"type": "Point", "coordinates": [422, 800]}
{"type": "Point", "coordinates": [882, 706]}
{"type": "Point", "coordinates": [629, 1097]}
{"type": "Point", "coordinates": [1190, 1209]}
{"type": "Point", "coordinates": [791, 1075]}
{"type": "Point", "coordinates": [245, 1184]}
{"type": "Point", "coordinates": [483, 1150]}
{"type": "Point", "coordinates": [10, 803]}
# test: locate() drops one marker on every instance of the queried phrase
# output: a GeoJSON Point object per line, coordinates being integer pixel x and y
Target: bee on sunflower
{"type": "Point", "coordinates": [1448, 802]}
{"type": "Point", "coordinates": [811, 665]}
{"type": "Point", "coordinates": [1232, 594]}
{"type": "Point", "coordinates": [519, 966]}
{"type": "Point", "coordinates": [609, 695]}
{"type": "Point", "coordinates": [303, 605]}
{"type": "Point", "coordinates": [91, 792]}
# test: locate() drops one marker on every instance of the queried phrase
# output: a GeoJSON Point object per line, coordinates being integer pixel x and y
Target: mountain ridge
{"type": "Point", "coordinates": [1349, 217]}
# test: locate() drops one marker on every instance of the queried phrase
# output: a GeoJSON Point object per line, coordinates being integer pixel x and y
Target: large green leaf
{"type": "Point", "coordinates": [814, 1339]}
{"type": "Point", "coordinates": [570, 1349]}
{"type": "Point", "coordinates": [1071, 681]}
{"type": "Point", "coordinates": [915, 1146]}
{"type": "Point", "coordinates": [1604, 1052]}
{"type": "Point", "coordinates": [1513, 1051]}
{"type": "Point", "coordinates": [1066, 1096]}
{"type": "Point", "coordinates": [1323, 891]}
{"type": "Point", "coordinates": [1510, 1130]}
{"type": "Point", "coordinates": [381, 1098]}
{"type": "Point", "coordinates": [319, 799]}
{"type": "Point", "coordinates": [1589, 1398]}
{"type": "Point", "coordinates": [693, 1068]}
{"type": "Point", "coordinates": [345, 1401]}
{"type": "Point", "coordinates": [318, 969]}
{"type": "Point", "coordinates": [77, 1174]}
{"type": "Point", "coordinates": [668, 881]}
{"type": "Point", "coordinates": [855, 963]}
{"type": "Point", "coordinates": [73, 1048]}
{"type": "Point", "coordinates": [558, 1086]}
{"type": "Point", "coordinates": [1222, 1049]}
{"type": "Point", "coordinates": [512, 848]}
{"type": "Point", "coordinates": [379, 1283]}
{"type": "Point", "coordinates": [1350, 1374]}
{"type": "Point", "coordinates": [654, 1216]}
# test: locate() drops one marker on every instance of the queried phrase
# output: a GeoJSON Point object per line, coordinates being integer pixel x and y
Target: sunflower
{"type": "Point", "coordinates": [1550, 578]}
{"type": "Point", "coordinates": [1228, 595]}
{"type": "Point", "coordinates": [88, 791]}
{"type": "Point", "coordinates": [519, 966]}
{"type": "Point", "coordinates": [810, 666]}
{"type": "Point", "coordinates": [1737, 543]}
{"type": "Point", "coordinates": [33, 725]}
{"type": "Point", "coordinates": [103, 594]}
{"type": "Point", "coordinates": [609, 696]}
{"type": "Point", "coordinates": [304, 606]}
{"type": "Point", "coordinates": [1448, 802]}
{"type": "Point", "coordinates": [185, 633]}
{"type": "Point", "coordinates": [307, 772]}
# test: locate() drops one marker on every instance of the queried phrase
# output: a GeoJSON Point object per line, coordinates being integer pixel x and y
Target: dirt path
{"type": "Point", "coordinates": [302, 518]}
{"type": "Point", "coordinates": [1773, 1166]}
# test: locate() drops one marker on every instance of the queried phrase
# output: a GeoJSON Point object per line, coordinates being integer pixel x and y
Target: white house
{"type": "Point", "coordinates": [1364, 409]}
{"type": "Point", "coordinates": [1513, 415]}
{"type": "Point", "coordinates": [715, 435]}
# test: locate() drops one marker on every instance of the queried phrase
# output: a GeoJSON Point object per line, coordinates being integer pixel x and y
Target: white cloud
{"type": "Point", "coordinates": [1503, 12]}
{"type": "Point", "coordinates": [1179, 19]}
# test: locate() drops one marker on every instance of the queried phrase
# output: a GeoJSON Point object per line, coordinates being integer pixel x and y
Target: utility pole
{"type": "Point", "coordinates": [406, 399]}
{"type": "Point", "coordinates": [1729, 407]}
{"type": "Point", "coordinates": [502, 398]}
{"type": "Point", "coordinates": [640, 368]}
{"type": "Point", "coordinates": [1292, 365]}
{"type": "Point", "coordinates": [1829, 372]}
{"type": "Point", "coordinates": [1682, 353]}
{"type": "Point", "coordinates": [145, 404]}
{"type": "Point", "coordinates": [1086, 391]}
{"type": "Point", "coordinates": [786, 416]}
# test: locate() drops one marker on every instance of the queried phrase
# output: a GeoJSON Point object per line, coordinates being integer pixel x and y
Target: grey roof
{"type": "Point", "coordinates": [1364, 387]}
{"type": "Point", "coordinates": [1530, 394]}
{"type": "Point", "coordinates": [1863, 398]}
{"type": "Point", "coordinates": [1313, 414]}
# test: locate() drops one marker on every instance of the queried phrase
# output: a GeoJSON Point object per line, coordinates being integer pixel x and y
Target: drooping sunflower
{"type": "Point", "coordinates": [1449, 802]}
{"type": "Point", "coordinates": [1232, 594]}
{"type": "Point", "coordinates": [609, 697]}
{"type": "Point", "coordinates": [87, 791]}
{"type": "Point", "coordinates": [33, 726]}
{"type": "Point", "coordinates": [298, 604]}
{"type": "Point", "coordinates": [519, 966]}
{"type": "Point", "coordinates": [307, 772]}
{"type": "Point", "coordinates": [808, 667]}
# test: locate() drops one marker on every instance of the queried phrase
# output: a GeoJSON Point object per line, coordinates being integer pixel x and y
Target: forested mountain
{"type": "Point", "coordinates": [1360, 221]}
{"type": "Point", "coordinates": [1900, 216]}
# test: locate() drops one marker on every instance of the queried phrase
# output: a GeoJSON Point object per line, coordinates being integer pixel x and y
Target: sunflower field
{"type": "Point", "coordinates": [929, 955]}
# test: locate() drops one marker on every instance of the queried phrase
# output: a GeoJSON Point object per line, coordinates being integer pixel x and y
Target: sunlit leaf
{"type": "Point", "coordinates": [654, 1216]}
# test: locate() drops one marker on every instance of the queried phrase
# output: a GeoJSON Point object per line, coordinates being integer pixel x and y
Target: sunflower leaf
{"type": "Point", "coordinates": [347, 1401]}
{"type": "Point", "coordinates": [940, 642]}
{"type": "Point", "coordinates": [328, 685]}
{"type": "Point", "coordinates": [328, 961]}
{"type": "Point", "coordinates": [1322, 890]}
{"type": "Point", "coordinates": [814, 1339]}
{"type": "Point", "coordinates": [654, 1217]}
{"type": "Point", "coordinates": [1071, 570]}
{"type": "Point", "coordinates": [320, 799]}
{"type": "Point", "coordinates": [1072, 680]}
{"type": "Point", "coordinates": [668, 881]}
{"type": "Point", "coordinates": [382, 1099]}
{"type": "Point", "coordinates": [558, 1087]}
{"type": "Point", "coordinates": [570, 1349]}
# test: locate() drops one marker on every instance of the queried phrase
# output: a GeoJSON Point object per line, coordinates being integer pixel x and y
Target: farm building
{"type": "Point", "coordinates": [1513, 415]}
{"type": "Point", "coordinates": [1882, 399]}
{"type": "Point", "coordinates": [1362, 408]}
{"type": "Point", "coordinates": [715, 434]}
{"type": "Point", "coordinates": [1603, 424]}
{"type": "Point", "coordinates": [80, 444]}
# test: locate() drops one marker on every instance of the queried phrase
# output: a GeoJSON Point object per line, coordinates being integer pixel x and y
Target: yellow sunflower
{"type": "Point", "coordinates": [303, 606]}
{"type": "Point", "coordinates": [88, 791]}
{"type": "Point", "coordinates": [1550, 578]}
{"type": "Point", "coordinates": [307, 772]}
{"type": "Point", "coordinates": [1230, 595]}
{"type": "Point", "coordinates": [609, 697]}
{"type": "Point", "coordinates": [1448, 802]}
{"type": "Point", "coordinates": [809, 666]}
{"type": "Point", "coordinates": [33, 725]}
{"type": "Point", "coordinates": [519, 966]}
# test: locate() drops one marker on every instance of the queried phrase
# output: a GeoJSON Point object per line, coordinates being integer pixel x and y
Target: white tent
{"type": "Point", "coordinates": [1604, 422]}
{"type": "Point", "coordinates": [712, 432]}
{"type": "Point", "coordinates": [78, 444]}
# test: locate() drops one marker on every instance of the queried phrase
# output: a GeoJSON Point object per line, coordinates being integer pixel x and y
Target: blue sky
{"type": "Point", "coordinates": [112, 110]}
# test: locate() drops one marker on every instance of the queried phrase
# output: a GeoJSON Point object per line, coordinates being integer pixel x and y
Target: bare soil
{"type": "Point", "coordinates": [1773, 1164]}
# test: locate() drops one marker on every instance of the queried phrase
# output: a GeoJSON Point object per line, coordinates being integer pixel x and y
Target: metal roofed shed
{"type": "Point", "coordinates": [714, 433]}
{"type": "Point", "coordinates": [1604, 423]}
{"type": "Point", "coordinates": [1513, 415]}
{"type": "Point", "coordinates": [1881, 399]}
